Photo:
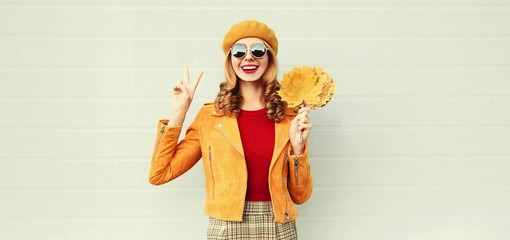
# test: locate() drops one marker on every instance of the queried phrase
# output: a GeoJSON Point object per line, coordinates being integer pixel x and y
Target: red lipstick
{"type": "Point", "coordinates": [249, 69]}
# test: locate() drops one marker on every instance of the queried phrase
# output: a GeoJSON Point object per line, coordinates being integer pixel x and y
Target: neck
{"type": "Point", "coordinates": [252, 95]}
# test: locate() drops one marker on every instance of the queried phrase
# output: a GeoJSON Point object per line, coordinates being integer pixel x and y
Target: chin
{"type": "Point", "coordinates": [248, 77]}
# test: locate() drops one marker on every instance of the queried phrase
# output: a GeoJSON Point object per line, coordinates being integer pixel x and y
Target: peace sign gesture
{"type": "Point", "coordinates": [183, 92]}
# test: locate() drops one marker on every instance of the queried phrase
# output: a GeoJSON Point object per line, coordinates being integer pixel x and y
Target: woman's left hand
{"type": "Point", "coordinates": [299, 130]}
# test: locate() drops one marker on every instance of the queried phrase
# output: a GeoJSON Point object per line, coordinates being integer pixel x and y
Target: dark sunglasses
{"type": "Point", "coordinates": [239, 50]}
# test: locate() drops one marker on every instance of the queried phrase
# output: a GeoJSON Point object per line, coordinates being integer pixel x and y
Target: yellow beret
{"type": "Point", "coordinates": [250, 28]}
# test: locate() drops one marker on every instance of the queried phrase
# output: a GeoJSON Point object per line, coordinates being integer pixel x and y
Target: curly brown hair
{"type": "Point", "coordinates": [228, 100]}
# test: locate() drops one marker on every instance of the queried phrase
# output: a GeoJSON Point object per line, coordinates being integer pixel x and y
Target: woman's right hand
{"type": "Point", "coordinates": [183, 92]}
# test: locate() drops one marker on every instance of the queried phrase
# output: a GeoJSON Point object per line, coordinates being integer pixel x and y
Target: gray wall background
{"type": "Point", "coordinates": [415, 144]}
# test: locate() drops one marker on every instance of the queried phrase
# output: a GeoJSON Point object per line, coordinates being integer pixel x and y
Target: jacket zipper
{"type": "Point", "coordinates": [295, 169]}
{"type": "Point", "coordinates": [212, 173]}
{"type": "Point", "coordinates": [157, 145]}
{"type": "Point", "coordinates": [230, 142]}
{"type": "Point", "coordinates": [245, 169]}
{"type": "Point", "coordinates": [283, 188]}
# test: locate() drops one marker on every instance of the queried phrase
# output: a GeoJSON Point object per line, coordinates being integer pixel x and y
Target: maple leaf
{"type": "Point", "coordinates": [307, 85]}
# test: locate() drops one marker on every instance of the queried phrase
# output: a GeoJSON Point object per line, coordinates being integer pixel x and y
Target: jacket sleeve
{"type": "Point", "coordinates": [171, 159]}
{"type": "Point", "coordinates": [300, 182]}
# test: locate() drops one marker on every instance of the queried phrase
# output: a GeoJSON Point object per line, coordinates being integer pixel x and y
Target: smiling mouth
{"type": "Point", "coordinates": [249, 69]}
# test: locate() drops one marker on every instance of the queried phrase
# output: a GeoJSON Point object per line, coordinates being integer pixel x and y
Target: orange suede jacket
{"type": "Point", "coordinates": [216, 138]}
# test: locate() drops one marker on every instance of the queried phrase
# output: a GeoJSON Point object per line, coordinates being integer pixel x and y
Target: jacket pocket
{"type": "Point", "coordinates": [212, 172]}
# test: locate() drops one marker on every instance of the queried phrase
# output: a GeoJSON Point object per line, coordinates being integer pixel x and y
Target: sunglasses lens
{"type": "Point", "coordinates": [238, 50]}
{"type": "Point", "coordinates": [258, 50]}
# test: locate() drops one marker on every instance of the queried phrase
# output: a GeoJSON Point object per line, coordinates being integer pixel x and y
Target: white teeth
{"type": "Point", "coordinates": [249, 68]}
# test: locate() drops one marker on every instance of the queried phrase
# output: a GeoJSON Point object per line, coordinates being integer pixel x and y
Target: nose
{"type": "Point", "coordinates": [248, 55]}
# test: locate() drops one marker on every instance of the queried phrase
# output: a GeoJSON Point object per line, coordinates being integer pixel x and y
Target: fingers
{"type": "Point", "coordinates": [197, 80]}
{"type": "Point", "coordinates": [303, 120]}
{"type": "Point", "coordinates": [305, 126]}
{"type": "Point", "coordinates": [304, 108]}
{"type": "Point", "coordinates": [186, 75]}
{"type": "Point", "coordinates": [178, 85]}
{"type": "Point", "coordinates": [185, 85]}
{"type": "Point", "coordinates": [303, 115]}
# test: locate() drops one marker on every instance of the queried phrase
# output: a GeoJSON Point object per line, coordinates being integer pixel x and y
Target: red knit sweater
{"type": "Point", "coordinates": [257, 136]}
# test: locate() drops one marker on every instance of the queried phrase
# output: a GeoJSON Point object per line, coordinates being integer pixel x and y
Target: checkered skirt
{"type": "Point", "coordinates": [258, 223]}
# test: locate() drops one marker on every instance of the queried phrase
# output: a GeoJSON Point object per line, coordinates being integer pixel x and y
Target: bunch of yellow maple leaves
{"type": "Point", "coordinates": [307, 86]}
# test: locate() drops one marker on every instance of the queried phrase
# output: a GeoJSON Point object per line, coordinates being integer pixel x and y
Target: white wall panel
{"type": "Point", "coordinates": [156, 82]}
{"type": "Point", "coordinates": [164, 201]}
{"type": "Point", "coordinates": [346, 171]}
{"type": "Point", "coordinates": [328, 53]}
{"type": "Point", "coordinates": [381, 227]}
{"type": "Point", "coordinates": [325, 141]}
{"type": "Point", "coordinates": [415, 144]}
{"type": "Point", "coordinates": [136, 112]}
{"type": "Point", "coordinates": [213, 20]}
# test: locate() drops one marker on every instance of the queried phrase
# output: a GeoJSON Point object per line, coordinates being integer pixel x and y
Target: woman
{"type": "Point", "coordinates": [254, 149]}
